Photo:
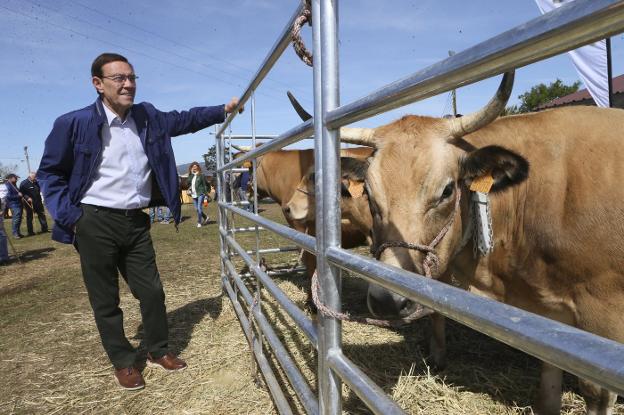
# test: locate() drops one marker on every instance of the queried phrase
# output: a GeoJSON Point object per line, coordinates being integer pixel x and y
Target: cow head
{"type": "Point", "coordinates": [416, 180]}
{"type": "Point", "coordinates": [354, 201]}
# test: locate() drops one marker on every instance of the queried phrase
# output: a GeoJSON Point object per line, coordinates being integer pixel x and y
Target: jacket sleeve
{"type": "Point", "coordinates": [54, 173]}
{"type": "Point", "coordinates": [195, 119]}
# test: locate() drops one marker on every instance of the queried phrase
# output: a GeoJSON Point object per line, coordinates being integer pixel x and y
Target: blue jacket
{"type": "Point", "coordinates": [72, 155]}
{"type": "Point", "coordinates": [13, 198]}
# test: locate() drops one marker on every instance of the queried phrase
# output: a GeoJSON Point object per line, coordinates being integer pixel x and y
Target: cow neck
{"type": "Point", "coordinates": [479, 227]}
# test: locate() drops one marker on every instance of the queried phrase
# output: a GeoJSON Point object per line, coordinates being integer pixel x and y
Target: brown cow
{"type": "Point", "coordinates": [353, 202]}
{"type": "Point", "coordinates": [557, 228]}
{"type": "Point", "coordinates": [279, 173]}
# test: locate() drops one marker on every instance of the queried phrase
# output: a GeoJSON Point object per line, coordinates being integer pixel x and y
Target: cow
{"type": "Point", "coordinates": [353, 200]}
{"type": "Point", "coordinates": [278, 175]}
{"type": "Point", "coordinates": [554, 184]}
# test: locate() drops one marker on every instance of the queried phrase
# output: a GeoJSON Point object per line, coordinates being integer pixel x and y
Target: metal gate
{"type": "Point", "coordinates": [575, 351]}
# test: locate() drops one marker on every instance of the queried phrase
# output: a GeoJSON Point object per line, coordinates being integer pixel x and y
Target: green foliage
{"type": "Point", "coordinates": [541, 94]}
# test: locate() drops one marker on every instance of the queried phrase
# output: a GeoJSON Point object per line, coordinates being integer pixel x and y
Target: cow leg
{"type": "Point", "coordinates": [549, 400]}
{"type": "Point", "coordinates": [309, 261]}
{"type": "Point", "coordinates": [437, 341]}
{"type": "Point", "coordinates": [599, 401]}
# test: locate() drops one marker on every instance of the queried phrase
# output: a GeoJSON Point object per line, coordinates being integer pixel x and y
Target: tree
{"type": "Point", "coordinates": [541, 94]}
{"type": "Point", "coordinates": [210, 158]}
{"type": "Point", "coordinates": [4, 170]}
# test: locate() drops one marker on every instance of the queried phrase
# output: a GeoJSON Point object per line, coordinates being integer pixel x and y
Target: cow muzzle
{"type": "Point", "coordinates": [383, 303]}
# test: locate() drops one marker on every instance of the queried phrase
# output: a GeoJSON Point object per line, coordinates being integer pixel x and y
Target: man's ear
{"type": "Point", "coordinates": [505, 167]}
{"type": "Point", "coordinates": [97, 83]}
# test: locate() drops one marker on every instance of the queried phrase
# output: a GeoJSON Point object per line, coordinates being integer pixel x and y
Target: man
{"type": "Point", "coordinates": [101, 166]}
{"type": "Point", "coordinates": [14, 203]}
{"type": "Point", "coordinates": [4, 249]}
{"type": "Point", "coordinates": [32, 193]}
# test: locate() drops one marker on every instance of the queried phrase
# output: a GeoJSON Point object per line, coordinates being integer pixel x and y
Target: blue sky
{"type": "Point", "coordinates": [193, 53]}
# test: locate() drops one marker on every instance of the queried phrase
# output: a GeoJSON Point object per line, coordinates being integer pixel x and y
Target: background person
{"type": "Point", "coordinates": [199, 189]}
{"type": "Point", "coordinates": [101, 166]}
{"type": "Point", "coordinates": [4, 249]}
{"type": "Point", "coordinates": [14, 204]}
{"type": "Point", "coordinates": [32, 193]}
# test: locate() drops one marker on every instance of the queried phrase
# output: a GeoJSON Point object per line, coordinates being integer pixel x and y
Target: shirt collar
{"type": "Point", "coordinates": [111, 116]}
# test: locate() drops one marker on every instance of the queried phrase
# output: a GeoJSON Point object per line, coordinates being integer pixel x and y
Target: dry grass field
{"type": "Point", "coordinates": [51, 360]}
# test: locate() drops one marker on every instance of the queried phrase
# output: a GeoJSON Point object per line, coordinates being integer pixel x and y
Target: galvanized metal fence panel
{"type": "Point", "coordinates": [578, 352]}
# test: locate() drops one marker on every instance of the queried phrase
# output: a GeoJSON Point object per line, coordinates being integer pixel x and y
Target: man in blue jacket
{"type": "Point", "coordinates": [101, 166]}
{"type": "Point", "coordinates": [14, 203]}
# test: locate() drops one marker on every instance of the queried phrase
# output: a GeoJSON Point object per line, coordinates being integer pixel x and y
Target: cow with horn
{"type": "Point", "coordinates": [524, 209]}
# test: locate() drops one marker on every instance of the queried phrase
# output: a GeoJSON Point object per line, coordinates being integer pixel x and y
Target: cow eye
{"type": "Point", "coordinates": [448, 191]}
{"type": "Point", "coordinates": [311, 177]}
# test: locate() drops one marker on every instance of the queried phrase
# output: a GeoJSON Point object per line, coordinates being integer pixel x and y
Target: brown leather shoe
{"type": "Point", "coordinates": [129, 378]}
{"type": "Point", "coordinates": [169, 362]}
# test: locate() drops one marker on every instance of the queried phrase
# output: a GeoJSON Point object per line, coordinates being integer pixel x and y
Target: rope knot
{"type": "Point", "coordinates": [298, 44]}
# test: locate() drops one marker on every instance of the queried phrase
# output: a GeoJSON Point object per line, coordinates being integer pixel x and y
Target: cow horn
{"type": "Point", "coordinates": [303, 114]}
{"type": "Point", "coordinates": [472, 122]}
{"type": "Point", "coordinates": [360, 136]}
{"type": "Point", "coordinates": [243, 149]}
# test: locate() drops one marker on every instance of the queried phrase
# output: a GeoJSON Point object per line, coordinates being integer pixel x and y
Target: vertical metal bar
{"type": "Point", "coordinates": [257, 301]}
{"type": "Point", "coordinates": [329, 275]}
{"type": "Point", "coordinates": [221, 213]}
{"type": "Point", "coordinates": [609, 72]}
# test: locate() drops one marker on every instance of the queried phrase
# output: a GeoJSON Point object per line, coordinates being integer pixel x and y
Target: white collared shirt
{"type": "Point", "coordinates": [122, 180]}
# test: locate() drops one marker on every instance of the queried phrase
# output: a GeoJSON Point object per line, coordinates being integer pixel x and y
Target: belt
{"type": "Point", "coordinates": [124, 212]}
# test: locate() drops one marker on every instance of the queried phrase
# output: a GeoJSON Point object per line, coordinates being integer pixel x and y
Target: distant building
{"type": "Point", "coordinates": [582, 97]}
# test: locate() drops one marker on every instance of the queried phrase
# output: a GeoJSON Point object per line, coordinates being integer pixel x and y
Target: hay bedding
{"type": "Point", "coordinates": [52, 361]}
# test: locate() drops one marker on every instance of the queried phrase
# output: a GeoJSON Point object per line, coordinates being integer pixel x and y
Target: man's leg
{"type": "Point", "coordinates": [16, 213]}
{"type": "Point", "coordinates": [4, 249]}
{"type": "Point", "coordinates": [29, 220]}
{"type": "Point", "coordinates": [138, 267]}
{"type": "Point", "coordinates": [99, 235]}
{"type": "Point", "coordinates": [42, 220]}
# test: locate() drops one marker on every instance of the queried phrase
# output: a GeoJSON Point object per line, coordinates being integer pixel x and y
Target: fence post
{"type": "Point", "coordinates": [330, 330]}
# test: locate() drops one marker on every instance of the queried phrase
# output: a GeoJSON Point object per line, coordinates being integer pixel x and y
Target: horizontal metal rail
{"type": "Point", "coordinates": [566, 347]}
{"type": "Point", "coordinates": [570, 26]}
{"type": "Point", "coordinates": [277, 272]}
{"type": "Point", "coordinates": [371, 394]}
{"type": "Point", "coordinates": [298, 316]}
{"type": "Point", "coordinates": [293, 135]}
{"type": "Point", "coordinates": [274, 250]}
{"type": "Point", "coordinates": [302, 240]}
{"type": "Point", "coordinates": [268, 63]}
{"type": "Point", "coordinates": [276, 391]}
{"type": "Point", "coordinates": [297, 381]}
{"type": "Point", "coordinates": [245, 230]}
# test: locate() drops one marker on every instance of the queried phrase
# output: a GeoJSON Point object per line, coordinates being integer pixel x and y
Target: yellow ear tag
{"type": "Point", "coordinates": [356, 188]}
{"type": "Point", "coordinates": [482, 184]}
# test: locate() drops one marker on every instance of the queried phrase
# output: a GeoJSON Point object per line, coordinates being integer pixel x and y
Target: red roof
{"type": "Point", "coordinates": [618, 87]}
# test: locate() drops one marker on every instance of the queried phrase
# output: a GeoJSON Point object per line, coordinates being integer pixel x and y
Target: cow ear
{"type": "Point", "coordinates": [494, 168]}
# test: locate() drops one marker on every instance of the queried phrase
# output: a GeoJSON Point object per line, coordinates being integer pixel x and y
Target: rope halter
{"type": "Point", "coordinates": [431, 257]}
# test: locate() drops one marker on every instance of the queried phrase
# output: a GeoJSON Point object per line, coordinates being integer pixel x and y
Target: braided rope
{"type": "Point", "coordinates": [298, 44]}
{"type": "Point", "coordinates": [328, 312]}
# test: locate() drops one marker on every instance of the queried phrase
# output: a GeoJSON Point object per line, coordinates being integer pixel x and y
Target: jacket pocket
{"type": "Point", "coordinates": [82, 160]}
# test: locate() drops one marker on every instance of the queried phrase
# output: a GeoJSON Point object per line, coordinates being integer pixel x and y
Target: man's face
{"type": "Point", "coordinates": [117, 95]}
{"type": "Point", "coordinates": [32, 177]}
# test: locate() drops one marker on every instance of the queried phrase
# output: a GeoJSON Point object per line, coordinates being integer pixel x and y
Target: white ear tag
{"type": "Point", "coordinates": [483, 239]}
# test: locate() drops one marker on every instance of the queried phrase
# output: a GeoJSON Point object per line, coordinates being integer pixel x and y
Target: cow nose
{"type": "Point", "coordinates": [386, 304]}
{"type": "Point", "coordinates": [287, 210]}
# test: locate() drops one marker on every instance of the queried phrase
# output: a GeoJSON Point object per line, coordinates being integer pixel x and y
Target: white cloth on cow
{"type": "Point", "coordinates": [122, 180]}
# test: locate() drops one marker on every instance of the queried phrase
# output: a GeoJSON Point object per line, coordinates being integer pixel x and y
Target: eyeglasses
{"type": "Point", "coordinates": [120, 79]}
